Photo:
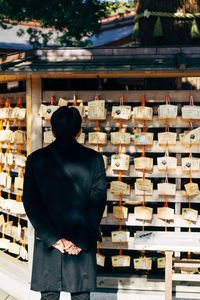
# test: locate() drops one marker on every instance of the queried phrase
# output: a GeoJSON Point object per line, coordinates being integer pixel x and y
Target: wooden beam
{"type": "Point", "coordinates": [29, 115]}
{"type": "Point", "coordinates": [186, 277]}
{"type": "Point", "coordinates": [34, 140]}
{"type": "Point", "coordinates": [16, 75]}
{"type": "Point", "coordinates": [13, 77]}
{"type": "Point", "coordinates": [35, 118]}
{"type": "Point", "coordinates": [155, 222]}
{"type": "Point", "coordinates": [151, 96]}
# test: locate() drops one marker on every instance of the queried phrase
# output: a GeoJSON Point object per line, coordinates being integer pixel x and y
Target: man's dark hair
{"type": "Point", "coordinates": [66, 121]}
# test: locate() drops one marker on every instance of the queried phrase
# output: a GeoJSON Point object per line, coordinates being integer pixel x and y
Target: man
{"type": "Point", "coordinates": [64, 198]}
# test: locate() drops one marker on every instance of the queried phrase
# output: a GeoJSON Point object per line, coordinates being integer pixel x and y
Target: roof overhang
{"type": "Point", "coordinates": [102, 62]}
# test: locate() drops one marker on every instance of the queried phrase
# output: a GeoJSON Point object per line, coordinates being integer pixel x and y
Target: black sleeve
{"type": "Point", "coordinates": [35, 209]}
{"type": "Point", "coordinates": [98, 193]}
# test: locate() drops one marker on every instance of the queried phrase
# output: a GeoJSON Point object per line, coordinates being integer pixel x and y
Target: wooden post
{"type": "Point", "coordinates": [168, 275]}
{"type": "Point", "coordinates": [34, 139]}
{"type": "Point", "coordinates": [28, 115]}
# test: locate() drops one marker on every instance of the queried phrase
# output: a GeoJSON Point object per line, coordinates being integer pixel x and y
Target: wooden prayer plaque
{"type": "Point", "coordinates": [2, 220]}
{"type": "Point", "coordinates": [8, 181]}
{"type": "Point", "coordinates": [6, 204]}
{"type": "Point", "coordinates": [120, 162]}
{"type": "Point", "coordinates": [1, 202]}
{"type": "Point", "coordinates": [120, 188]}
{"type": "Point", "coordinates": [81, 139]}
{"type": "Point", "coordinates": [190, 164]}
{"type": "Point", "coordinates": [143, 263]}
{"type": "Point", "coordinates": [166, 189]}
{"type": "Point", "coordinates": [6, 136]}
{"type": "Point", "coordinates": [6, 113]}
{"type": "Point", "coordinates": [100, 259]}
{"type": "Point", "coordinates": [81, 110]}
{"type": "Point", "coordinates": [23, 253]}
{"type": "Point", "coordinates": [161, 262]}
{"type": "Point", "coordinates": [192, 189]}
{"type": "Point", "coordinates": [21, 113]}
{"type": "Point", "coordinates": [167, 112]}
{"type": "Point", "coordinates": [97, 138]}
{"type": "Point", "coordinates": [167, 138]}
{"type": "Point", "coordinates": [9, 159]}
{"type": "Point", "coordinates": [190, 214]}
{"type": "Point", "coordinates": [16, 231]}
{"type": "Point", "coordinates": [20, 160]}
{"type": "Point", "coordinates": [14, 113]}
{"type": "Point", "coordinates": [19, 182]}
{"type": "Point", "coordinates": [14, 248]}
{"type": "Point", "coordinates": [96, 110]}
{"type": "Point", "coordinates": [122, 112]}
{"type": "Point", "coordinates": [4, 243]}
{"type": "Point", "coordinates": [191, 137]}
{"type": "Point", "coordinates": [2, 158]}
{"type": "Point", "coordinates": [143, 163]}
{"type": "Point", "coordinates": [17, 208]}
{"type": "Point", "coordinates": [105, 213]}
{"type": "Point", "coordinates": [121, 261]}
{"type": "Point", "coordinates": [165, 213]}
{"type": "Point", "coordinates": [18, 113]}
{"type": "Point", "coordinates": [48, 137]}
{"type": "Point", "coordinates": [189, 270]}
{"type": "Point", "coordinates": [19, 137]}
{"type": "Point", "coordinates": [3, 178]}
{"type": "Point", "coordinates": [143, 139]}
{"type": "Point", "coordinates": [7, 228]}
{"type": "Point", "coordinates": [142, 113]}
{"type": "Point", "coordinates": [120, 236]}
{"type": "Point", "coordinates": [123, 138]}
{"type": "Point", "coordinates": [46, 111]}
{"type": "Point", "coordinates": [105, 161]}
{"type": "Point", "coordinates": [120, 212]}
{"type": "Point", "coordinates": [191, 112]}
{"type": "Point", "coordinates": [62, 102]}
{"type": "Point", "coordinates": [144, 185]}
{"type": "Point", "coordinates": [143, 213]}
{"type": "Point", "coordinates": [167, 163]}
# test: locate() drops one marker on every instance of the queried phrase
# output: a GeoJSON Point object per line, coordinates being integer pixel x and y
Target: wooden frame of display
{"type": "Point", "coordinates": [34, 141]}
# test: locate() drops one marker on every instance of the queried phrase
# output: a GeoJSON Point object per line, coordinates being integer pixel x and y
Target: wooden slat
{"type": "Point", "coordinates": [14, 97]}
{"type": "Point", "coordinates": [155, 148]}
{"type": "Point", "coordinates": [186, 265]}
{"type": "Point", "coordinates": [155, 123]}
{"type": "Point", "coordinates": [29, 115]}
{"type": "Point", "coordinates": [155, 174]}
{"type": "Point", "coordinates": [23, 217]}
{"type": "Point", "coordinates": [186, 277]}
{"type": "Point", "coordinates": [180, 197]}
{"type": "Point", "coordinates": [11, 235]}
{"type": "Point", "coordinates": [36, 122]}
{"type": "Point", "coordinates": [152, 96]}
{"type": "Point", "coordinates": [132, 221]}
{"type": "Point", "coordinates": [168, 275]}
{"type": "Point", "coordinates": [130, 282]}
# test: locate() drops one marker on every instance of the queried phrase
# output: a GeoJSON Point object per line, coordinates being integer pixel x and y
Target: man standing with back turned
{"type": "Point", "coordinates": [64, 198]}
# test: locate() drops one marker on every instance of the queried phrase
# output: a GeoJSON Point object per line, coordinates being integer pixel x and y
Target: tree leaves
{"type": "Point", "coordinates": [74, 19]}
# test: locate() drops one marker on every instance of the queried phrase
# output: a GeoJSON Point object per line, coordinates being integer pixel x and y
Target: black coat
{"type": "Point", "coordinates": [56, 210]}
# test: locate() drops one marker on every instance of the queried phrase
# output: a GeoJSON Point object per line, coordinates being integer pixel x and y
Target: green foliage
{"type": "Point", "coordinates": [73, 19]}
{"type": "Point", "coordinates": [158, 31]}
{"type": "Point", "coordinates": [136, 31]}
{"type": "Point", "coordinates": [195, 34]}
{"type": "Point", "coordinates": [119, 6]}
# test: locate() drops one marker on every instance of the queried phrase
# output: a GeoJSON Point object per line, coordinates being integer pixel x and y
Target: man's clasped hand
{"type": "Point", "coordinates": [64, 245]}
